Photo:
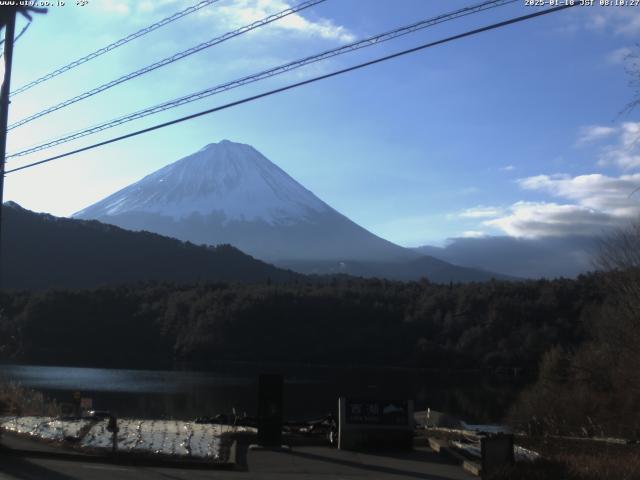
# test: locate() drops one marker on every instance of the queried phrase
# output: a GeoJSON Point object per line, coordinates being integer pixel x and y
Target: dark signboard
{"type": "Point", "coordinates": [376, 412]}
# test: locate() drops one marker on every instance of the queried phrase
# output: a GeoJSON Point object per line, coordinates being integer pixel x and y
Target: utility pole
{"type": "Point", "coordinates": [9, 35]}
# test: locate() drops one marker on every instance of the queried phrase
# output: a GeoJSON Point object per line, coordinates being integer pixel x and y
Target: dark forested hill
{"type": "Point", "coordinates": [41, 251]}
{"type": "Point", "coordinates": [404, 270]}
{"type": "Point", "coordinates": [341, 321]}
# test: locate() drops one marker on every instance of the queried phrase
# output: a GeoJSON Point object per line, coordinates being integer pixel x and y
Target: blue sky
{"type": "Point", "coordinates": [513, 132]}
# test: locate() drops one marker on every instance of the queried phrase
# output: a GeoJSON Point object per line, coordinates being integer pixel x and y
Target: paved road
{"type": "Point", "coordinates": [305, 463]}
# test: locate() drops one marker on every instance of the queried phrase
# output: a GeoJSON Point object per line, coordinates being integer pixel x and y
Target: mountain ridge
{"type": "Point", "coordinates": [43, 251]}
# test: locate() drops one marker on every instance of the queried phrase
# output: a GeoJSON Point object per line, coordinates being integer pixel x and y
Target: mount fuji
{"type": "Point", "coordinates": [229, 193]}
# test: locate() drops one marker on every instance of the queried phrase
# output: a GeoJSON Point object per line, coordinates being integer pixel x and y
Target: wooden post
{"type": "Point", "coordinates": [112, 426]}
{"type": "Point", "coordinates": [9, 35]}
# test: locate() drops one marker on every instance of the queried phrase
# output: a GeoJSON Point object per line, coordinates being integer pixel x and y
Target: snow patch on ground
{"type": "Point", "coordinates": [474, 449]}
{"type": "Point", "coordinates": [45, 428]}
{"type": "Point", "coordinates": [486, 428]}
{"type": "Point", "coordinates": [164, 437]}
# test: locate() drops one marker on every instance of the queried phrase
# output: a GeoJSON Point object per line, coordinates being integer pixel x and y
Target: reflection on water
{"type": "Point", "coordinates": [309, 392]}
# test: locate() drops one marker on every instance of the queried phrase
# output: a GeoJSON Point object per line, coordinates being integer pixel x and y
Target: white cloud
{"type": "Point", "coordinates": [593, 133]}
{"type": "Point", "coordinates": [595, 203]}
{"type": "Point", "coordinates": [243, 12]}
{"type": "Point", "coordinates": [620, 20]}
{"type": "Point", "coordinates": [626, 152]}
{"type": "Point", "coordinates": [237, 13]}
{"type": "Point", "coordinates": [623, 149]}
{"type": "Point", "coordinates": [481, 211]}
{"type": "Point", "coordinates": [630, 133]}
{"type": "Point", "coordinates": [619, 56]}
{"type": "Point", "coordinates": [587, 204]}
{"type": "Point", "coordinates": [613, 195]}
{"type": "Point", "coordinates": [508, 168]}
{"type": "Point", "coordinates": [542, 219]}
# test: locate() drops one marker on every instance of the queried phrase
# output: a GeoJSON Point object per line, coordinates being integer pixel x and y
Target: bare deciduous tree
{"type": "Point", "coordinates": [619, 255]}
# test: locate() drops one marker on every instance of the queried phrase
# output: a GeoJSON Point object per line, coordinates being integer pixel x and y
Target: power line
{"type": "Point", "coordinates": [299, 84]}
{"type": "Point", "coordinates": [166, 61]}
{"type": "Point", "coordinates": [22, 32]}
{"type": "Point", "coordinates": [114, 45]}
{"type": "Point", "coordinates": [374, 40]}
{"type": "Point", "coordinates": [24, 29]}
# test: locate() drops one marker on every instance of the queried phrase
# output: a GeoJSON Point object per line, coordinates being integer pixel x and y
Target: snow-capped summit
{"type": "Point", "coordinates": [226, 178]}
{"type": "Point", "coordinates": [229, 192]}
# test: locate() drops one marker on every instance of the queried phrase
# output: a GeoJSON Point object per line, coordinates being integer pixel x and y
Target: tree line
{"type": "Point", "coordinates": [495, 326]}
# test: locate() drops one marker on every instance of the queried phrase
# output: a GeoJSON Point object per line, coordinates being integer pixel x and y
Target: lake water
{"type": "Point", "coordinates": [308, 392]}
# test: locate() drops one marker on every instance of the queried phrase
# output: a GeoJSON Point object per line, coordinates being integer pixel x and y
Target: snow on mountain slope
{"type": "Point", "coordinates": [230, 193]}
{"type": "Point", "coordinates": [228, 178]}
